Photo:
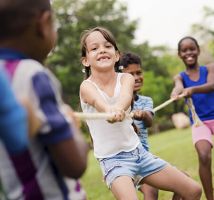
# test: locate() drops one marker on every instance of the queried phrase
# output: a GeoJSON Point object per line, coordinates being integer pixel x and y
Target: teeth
{"type": "Point", "coordinates": [190, 58]}
{"type": "Point", "coordinates": [103, 58]}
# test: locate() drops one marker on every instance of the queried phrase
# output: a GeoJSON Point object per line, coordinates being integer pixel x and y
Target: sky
{"type": "Point", "coordinates": [164, 22]}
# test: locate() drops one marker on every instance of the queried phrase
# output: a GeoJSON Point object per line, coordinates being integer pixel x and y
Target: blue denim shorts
{"type": "Point", "coordinates": [135, 163]}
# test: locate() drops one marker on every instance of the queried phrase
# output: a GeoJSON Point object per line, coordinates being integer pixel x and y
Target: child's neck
{"type": "Point", "coordinates": [107, 83]}
{"type": "Point", "coordinates": [194, 67]}
{"type": "Point", "coordinates": [103, 78]}
{"type": "Point", "coordinates": [193, 72]}
{"type": "Point", "coordinates": [135, 96]}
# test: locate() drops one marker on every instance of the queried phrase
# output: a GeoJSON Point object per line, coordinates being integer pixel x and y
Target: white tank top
{"type": "Point", "coordinates": [110, 139]}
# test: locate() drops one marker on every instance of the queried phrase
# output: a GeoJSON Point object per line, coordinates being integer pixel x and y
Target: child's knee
{"type": "Point", "coordinates": [195, 192]}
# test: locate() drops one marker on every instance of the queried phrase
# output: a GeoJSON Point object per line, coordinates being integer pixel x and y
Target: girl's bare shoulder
{"type": "Point", "coordinates": [127, 76]}
{"type": "Point", "coordinates": [210, 67]}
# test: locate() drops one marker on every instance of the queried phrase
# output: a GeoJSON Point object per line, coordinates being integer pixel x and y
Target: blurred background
{"type": "Point", "coordinates": [151, 29]}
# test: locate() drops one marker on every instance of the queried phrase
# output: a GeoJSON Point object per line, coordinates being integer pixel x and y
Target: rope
{"type": "Point", "coordinates": [101, 115]}
{"type": "Point", "coordinates": [163, 105]}
{"type": "Point", "coordinates": [196, 121]}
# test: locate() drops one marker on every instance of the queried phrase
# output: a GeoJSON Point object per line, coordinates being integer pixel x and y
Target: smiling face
{"type": "Point", "coordinates": [136, 71]}
{"type": "Point", "coordinates": [189, 51]}
{"type": "Point", "coordinates": [100, 53]}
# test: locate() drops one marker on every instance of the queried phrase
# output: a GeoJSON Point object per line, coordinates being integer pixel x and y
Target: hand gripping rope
{"type": "Point", "coordinates": [100, 115]}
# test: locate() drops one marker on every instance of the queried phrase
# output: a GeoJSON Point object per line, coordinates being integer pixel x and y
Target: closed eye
{"type": "Point", "coordinates": [93, 49]}
{"type": "Point", "coordinates": [108, 45]}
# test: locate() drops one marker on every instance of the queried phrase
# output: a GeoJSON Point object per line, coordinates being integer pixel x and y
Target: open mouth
{"type": "Point", "coordinates": [190, 58]}
{"type": "Point", "coordinates": [104, 58]}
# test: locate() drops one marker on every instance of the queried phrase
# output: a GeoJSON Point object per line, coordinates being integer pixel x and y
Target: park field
{"type": "Point", "coordinates": [174, 146]}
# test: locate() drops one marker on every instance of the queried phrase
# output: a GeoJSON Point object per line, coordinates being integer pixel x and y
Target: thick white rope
{"type": "Point", "coordinates": [100, 115]}
{"type": "Point", "coordinates": [196, 121]}
{"type": "Point", "coordinates": [163, 104]}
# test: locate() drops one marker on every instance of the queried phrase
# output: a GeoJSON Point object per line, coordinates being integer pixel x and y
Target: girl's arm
{"type": "Point", "coordinates": [89, 95]}
{"type": "Point", "coordinates": [205, 88]}
{"type": "Point", "coordinates": [145, 116]}
{"type": "Point", "coordinates": [178, 88]}
{"type": "Point", "coordinates": [126, 94]}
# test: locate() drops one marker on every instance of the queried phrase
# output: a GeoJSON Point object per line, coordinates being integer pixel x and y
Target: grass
{"type": "Point", "coordinates": [174, 146]}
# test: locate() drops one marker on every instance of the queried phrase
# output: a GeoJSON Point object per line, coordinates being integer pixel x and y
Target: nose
{"type": "Point", "coordinates": [136, 76]}
{"type": "Point", "coordinates": [189, 51]}
{"type": "Point", "coordinates": [102, 49]}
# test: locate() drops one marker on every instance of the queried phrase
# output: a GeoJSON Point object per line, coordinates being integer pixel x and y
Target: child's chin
{"type": "Point", "coordinates": [136, 89]}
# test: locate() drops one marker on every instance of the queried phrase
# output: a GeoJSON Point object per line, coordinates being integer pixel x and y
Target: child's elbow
{"type": "Point", "coordinates": [149, 124]}
{"type": "Point", "coordinates": [77, 171]}
{"type": "Point", "coordinates": [212, 87]}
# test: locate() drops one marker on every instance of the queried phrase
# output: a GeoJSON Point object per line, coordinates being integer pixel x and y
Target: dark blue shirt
{"type": "Point", "coordinates": [203, 102]}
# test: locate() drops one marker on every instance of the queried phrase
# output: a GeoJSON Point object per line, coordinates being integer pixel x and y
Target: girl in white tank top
{"type": "Point", "coordinates": [116, 145]}
{"type": "Point", "coordinates": [110, 139]}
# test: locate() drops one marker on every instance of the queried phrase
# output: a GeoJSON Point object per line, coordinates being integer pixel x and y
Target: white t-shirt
{"type": "Point", "coordinates": [110, 139]}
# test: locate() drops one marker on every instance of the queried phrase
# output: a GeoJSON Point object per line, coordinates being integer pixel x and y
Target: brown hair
{"type": "Point", "coordinates": [106, 34]}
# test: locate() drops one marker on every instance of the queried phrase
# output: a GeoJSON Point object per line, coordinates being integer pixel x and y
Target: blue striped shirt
{"type": "Point", "coordinates": [143, 103]}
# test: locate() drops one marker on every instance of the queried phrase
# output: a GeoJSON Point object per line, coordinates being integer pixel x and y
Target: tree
{"type": "Point", "coordinates": [72, 18]}
{"type": "Point", "coordinates": [205, 29]}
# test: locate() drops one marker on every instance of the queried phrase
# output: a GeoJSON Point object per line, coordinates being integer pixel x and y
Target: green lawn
{"type": "Point", "coordinates": [174, 146]}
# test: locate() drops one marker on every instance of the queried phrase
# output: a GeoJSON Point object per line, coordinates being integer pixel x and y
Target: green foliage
{"type": "Point", "coordinates": [159, 88]}
{"type": "Point", "coordinates": [156, 87]}
{"type": "Point", "coordinates": [171, 64]}
{"type": "Point", "coordinates": [205, 28]}
{"type": "Point", "coordinates": [72, 18]}
{"type": "Point", "coordinates": [75, 16]}
{"type": "Point", "coordinates": [211, 46]}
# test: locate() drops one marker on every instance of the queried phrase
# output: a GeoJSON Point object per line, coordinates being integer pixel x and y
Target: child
{"type": "Point", "coordinates": [27, 35]}
{"type": "Point", "coordinates": [198, 82]}
{"type": "Point", "coordinates": [116, 145]}
{"type": "Point", "coordinates": [142, 109]}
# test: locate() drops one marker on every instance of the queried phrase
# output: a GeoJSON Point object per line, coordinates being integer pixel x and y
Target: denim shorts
{"type": "Point", "coordinates": [135, 163]}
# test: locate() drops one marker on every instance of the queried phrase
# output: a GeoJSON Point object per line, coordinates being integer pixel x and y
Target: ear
{"type": "Point", "coordinates": [117, 56]}
{"type": "Point", "coordinates": [44, 24]}
{"type": "Point", "coordinates": [85, 62]}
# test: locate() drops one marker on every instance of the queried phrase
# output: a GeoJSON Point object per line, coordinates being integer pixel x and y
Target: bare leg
{"type": "Point", "coordinates": [177, 196]}
{"type": "Point", "coordinates": [149, 192]}
{"type": "Point", "coordinates": [203, 149]}
{"type": "Point", "coordinates": [171, 179]}
{"type": "Point", "coordinates": [123, 188]}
